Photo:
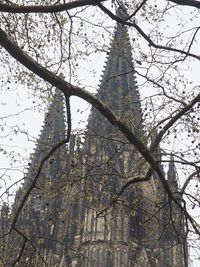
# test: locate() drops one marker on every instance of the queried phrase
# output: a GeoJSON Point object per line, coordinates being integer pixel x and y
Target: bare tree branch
{"type": "Point", "coordinates": [137, 9]}
{"type": "Point", "coordinates": [21, 250]}
{"type": "Point", "coordinates": [26, 240]}
{"type": "Point", "coordinates": [191, 3]}
{"type": "Point", "coordinates": [173, 120]}
{"type": "Point", "coordinates": [144, 35]}
{"type": "Point", "coordinates": [46, 8]}
{"type": "Point", "coordinates": [188, 180]}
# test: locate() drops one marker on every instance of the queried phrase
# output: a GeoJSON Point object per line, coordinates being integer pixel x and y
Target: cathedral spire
{"type": "Point", "coordinates": [118, 87]}
{"type": "Point", "coordinates": [46, 198]}
{"type": "Point", "coordinates": [53, 131]}
{"type": "Point", "coordinates": [172, 175]}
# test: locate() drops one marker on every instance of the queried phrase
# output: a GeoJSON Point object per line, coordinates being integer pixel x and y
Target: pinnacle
{"type": "Point", "coordinates": [171, 175]}
{"type": "Point", "coordinates": [121, 11]}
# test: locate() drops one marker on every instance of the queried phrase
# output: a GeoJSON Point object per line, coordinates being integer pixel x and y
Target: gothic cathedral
{"type": "Point", "coordinates": [87, 210]}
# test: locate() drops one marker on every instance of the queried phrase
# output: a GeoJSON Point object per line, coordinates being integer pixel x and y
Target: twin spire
{"type": "Point", "coordinates": [118, 89]}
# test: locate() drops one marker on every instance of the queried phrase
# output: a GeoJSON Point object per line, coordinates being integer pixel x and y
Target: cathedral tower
{"type": "Point", "coordinates": [120, 226]}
